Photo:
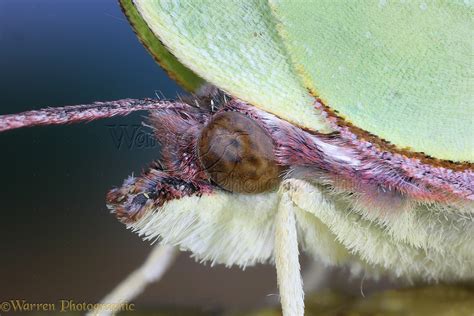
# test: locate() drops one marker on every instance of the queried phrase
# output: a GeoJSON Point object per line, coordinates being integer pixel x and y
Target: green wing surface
{"type": "Point", "coordinates": [177, 71]}
{"type": "Point", "coordinates": [235, 46]}
{"type": "Point", "coordinates": [401, 70]}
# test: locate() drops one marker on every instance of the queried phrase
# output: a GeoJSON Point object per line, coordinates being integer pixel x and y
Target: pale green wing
{"type": "Point", "coordinates": [177, 71]}
{"type": "Point", "coordinates": [234, 45]}
{"type": "Point", "coordinates": [402, 70]}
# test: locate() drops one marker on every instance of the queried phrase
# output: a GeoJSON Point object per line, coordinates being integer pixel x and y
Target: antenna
{"type": "Point", "coordinates": [80, 113]}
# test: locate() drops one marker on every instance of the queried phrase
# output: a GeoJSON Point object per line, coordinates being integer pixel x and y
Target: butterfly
{"type": "Point", "coordinates": [343, 130]}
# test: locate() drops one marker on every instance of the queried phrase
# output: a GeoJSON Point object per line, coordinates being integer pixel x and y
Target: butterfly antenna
{"type": "Point", "coordinates": [79, 113]}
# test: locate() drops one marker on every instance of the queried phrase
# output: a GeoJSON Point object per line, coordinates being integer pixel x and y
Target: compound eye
{"type": "Point", "coordinates": [237, 154]}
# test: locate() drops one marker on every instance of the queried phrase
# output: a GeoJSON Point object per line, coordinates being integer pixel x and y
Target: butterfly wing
{"type": "Point", "coordinates": [235, 46]}
{"type": "Point", "coordinates": [402, 72]}
{"type": "Point", "coordinates": [176, 70]}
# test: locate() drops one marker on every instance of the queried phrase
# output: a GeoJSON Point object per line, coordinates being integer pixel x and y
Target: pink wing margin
{"type": "Point", "coordinates": [80, 113]}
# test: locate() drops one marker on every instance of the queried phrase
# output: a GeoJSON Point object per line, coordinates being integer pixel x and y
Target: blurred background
{"type": "Point", "coordinates": [57, 239]}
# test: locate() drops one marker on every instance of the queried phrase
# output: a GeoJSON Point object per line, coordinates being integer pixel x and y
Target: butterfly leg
{"type": "Point", "coordinates": [286, 254]}
{"type": "Point", "coordinates": [158, 261]}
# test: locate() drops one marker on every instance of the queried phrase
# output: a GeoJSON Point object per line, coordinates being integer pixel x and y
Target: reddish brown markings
{"type": "Point", "coordinates": [384, 145]}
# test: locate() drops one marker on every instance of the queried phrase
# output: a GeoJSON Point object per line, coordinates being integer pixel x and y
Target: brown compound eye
{"type": "Point", "coordinates": [237, 154]}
